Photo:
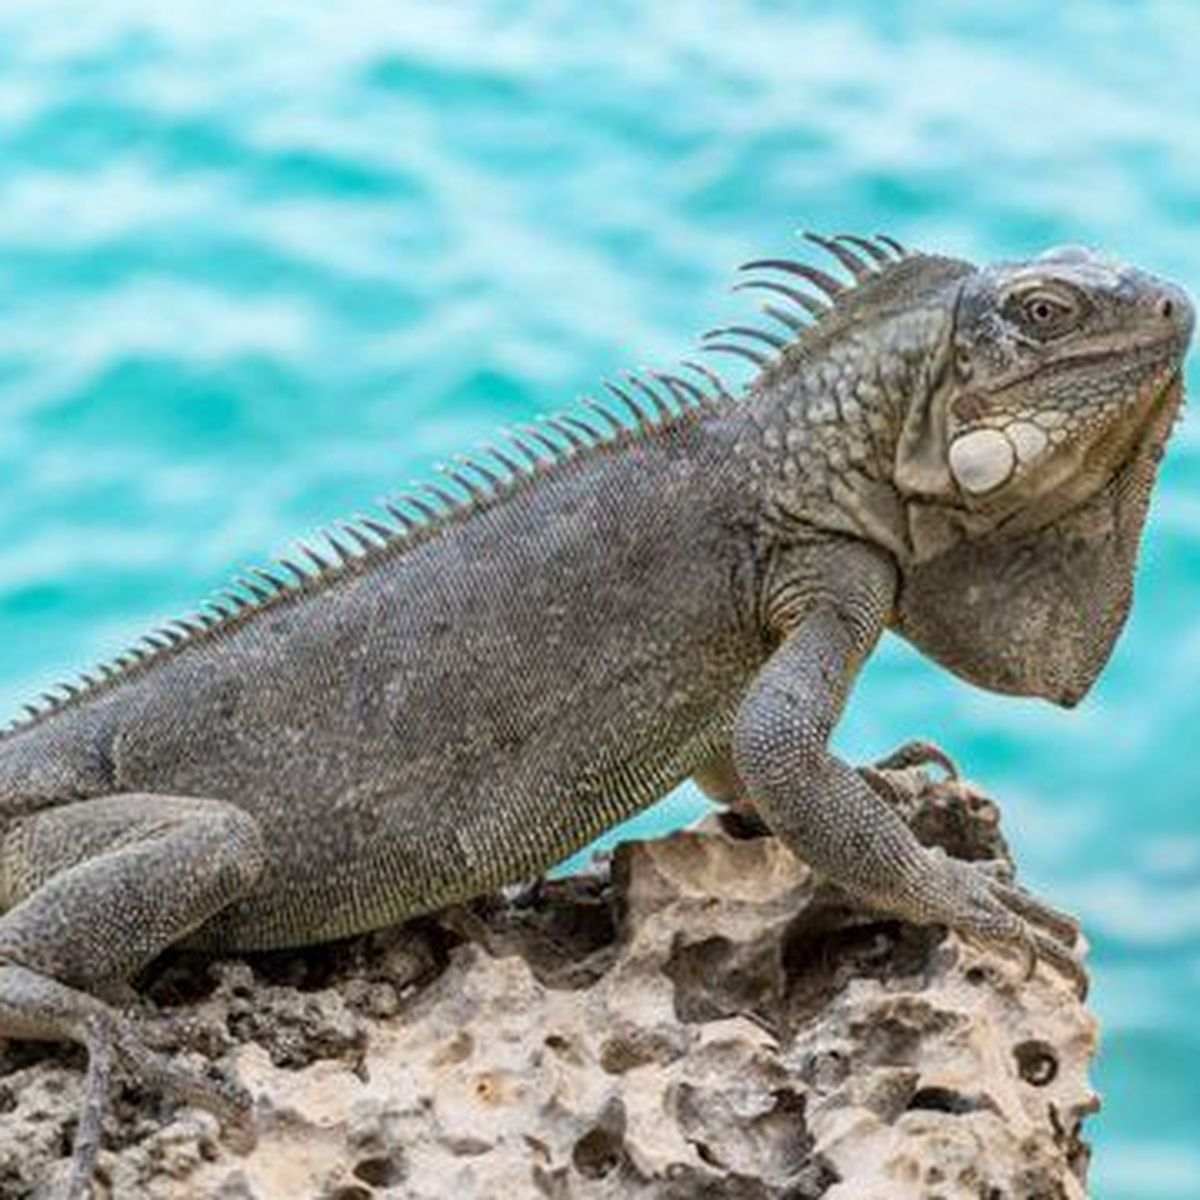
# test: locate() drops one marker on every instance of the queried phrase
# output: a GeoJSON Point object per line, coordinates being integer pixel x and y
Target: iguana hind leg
{"type": "Point", "coordinates": [93, 891]}
{"type": "Point", "coordinates": [829, 814]}
{"type": "Point", "coordinates": [719, 781]}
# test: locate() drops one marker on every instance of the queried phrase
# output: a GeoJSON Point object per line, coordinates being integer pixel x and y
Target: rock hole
{"type": "Point", "coordinates": [382, 1171]}
{"type": "Point", "coordinates": [17, 1054]}
{"type": "Point", "coordinates": [783, 1131]}
{"type": "Point", "coordinates": [813, 1180]}
{"type": "Point", "coordinates": [1037, 1063]}
{"type": "Point", "coordinates": [714, 978]}
{"type": "Point", "coordinates": [540, 1149]}
{"type": "Point", "coordinates": [619, 1055]}
{"type": "Point", "coordinates": [66, 1138]}
{"type": "Point", "coordinates": [631, 1047]}
{"type": "Point", "coordinates": [458, 1049]}
{"type": "Point", "coordinates": [742, 826]}
{"type": "Point", "coordinates": [350, 1191]}
{"type": "Point", "coordinates": [180, 978]}
{"type": "Point", "coordinates": [598, 1153]}
{"type": "Point", "coordinates": [946, 1100]}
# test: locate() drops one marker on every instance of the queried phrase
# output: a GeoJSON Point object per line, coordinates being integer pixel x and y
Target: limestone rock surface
{"type": "Point", "coordinates": [700, 1018]}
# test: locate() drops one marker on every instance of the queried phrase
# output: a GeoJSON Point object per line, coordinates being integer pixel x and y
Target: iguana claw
{"type": "Point", "coordinates": [1051, 952]}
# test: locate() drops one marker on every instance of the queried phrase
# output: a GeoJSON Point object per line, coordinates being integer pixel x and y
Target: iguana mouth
{"type": "Point", "coordinates": [1174, 387]}
{"type": "Point", "coordinates": [1163, 404]}
{"type": "Point", "coordinates": [1172, 395]}
{"type": "Point", "coordinates": [1168, 349]}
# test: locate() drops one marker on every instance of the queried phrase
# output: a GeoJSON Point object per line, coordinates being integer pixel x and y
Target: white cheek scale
{"type": "Point", "coordinates": [982, 460]}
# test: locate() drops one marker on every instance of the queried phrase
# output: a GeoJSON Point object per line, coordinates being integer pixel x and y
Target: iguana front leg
{"type": "Point", "coordinates": [832, 818]}
{"type": "Point", "coordinates": [93, 891]}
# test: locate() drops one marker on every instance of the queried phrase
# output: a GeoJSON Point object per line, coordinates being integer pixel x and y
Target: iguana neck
{"type": "Point", "coordinates": [820, 430]}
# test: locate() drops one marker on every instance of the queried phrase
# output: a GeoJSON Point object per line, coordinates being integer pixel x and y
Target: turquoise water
{"type": "Point", "coordinates": [262, 263]}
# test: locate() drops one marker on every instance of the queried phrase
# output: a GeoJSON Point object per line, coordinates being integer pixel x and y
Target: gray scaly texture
{"type": "Point", "coordinates": [456, 695]}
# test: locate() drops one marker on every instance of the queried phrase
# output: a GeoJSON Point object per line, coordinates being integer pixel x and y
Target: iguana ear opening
{"type": "Point", "coordinates": [922, 450]}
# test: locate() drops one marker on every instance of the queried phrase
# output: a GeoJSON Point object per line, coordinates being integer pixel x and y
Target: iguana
{"type": "Point", "coordinates": [456, 693]}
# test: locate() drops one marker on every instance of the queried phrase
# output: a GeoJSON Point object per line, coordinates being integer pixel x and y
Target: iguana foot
{"type": "Point", "coordinates": [33, 1005]}
{"type": "Point", "coordinates": [976, 897]}
{"type": "Point", "coordinates": [228, 1101]}
{"type": "Point", "coordinates": [93, 890]}
{"type": "Point", "coordinates": [971, 899]}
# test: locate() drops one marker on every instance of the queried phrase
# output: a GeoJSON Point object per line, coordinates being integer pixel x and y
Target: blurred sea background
{"type": "Point", "coordinates": [262, 263]}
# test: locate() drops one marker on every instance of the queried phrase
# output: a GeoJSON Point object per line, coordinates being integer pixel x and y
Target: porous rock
{"type": "Point", "coordinates": [700, 1018]}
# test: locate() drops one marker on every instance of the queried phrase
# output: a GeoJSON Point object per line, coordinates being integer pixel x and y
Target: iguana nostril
{"type": "Point", "coordinates": [1166, 308]}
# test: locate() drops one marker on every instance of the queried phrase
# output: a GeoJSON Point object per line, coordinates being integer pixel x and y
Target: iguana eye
{"type": "Point", "coordinates": [1047, 314]}
{"type": "Point", "coordinates": [1042, 311]}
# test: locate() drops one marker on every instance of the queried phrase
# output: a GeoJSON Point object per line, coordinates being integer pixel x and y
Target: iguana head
{"type": "Point", "coordinates": [1026, 469]}
{"type": "Point", "coordinates": [1055, 367]}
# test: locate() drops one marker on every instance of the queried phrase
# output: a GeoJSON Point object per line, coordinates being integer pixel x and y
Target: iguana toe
{"type": "Point", "coordinates": [999, 870]}
{"type": "Point", "coordinates": [971, 900]}
{"type": "Point", "coordinates": [896, 786]}
{"type": "Point", "coordinates": [226, 1099]}
{"type": "Point", "coordinates": [1062, 960]}
{"type": "Point", "coordinates": [1060, 926]}
{"type": "Point", "coordinates": [917, 753]}
{"type": "Point", "coordinates": [99, 1037]}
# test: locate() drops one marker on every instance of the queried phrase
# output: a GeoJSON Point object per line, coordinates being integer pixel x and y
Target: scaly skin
{"type": "Point", "coordinates": [964, 456]}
